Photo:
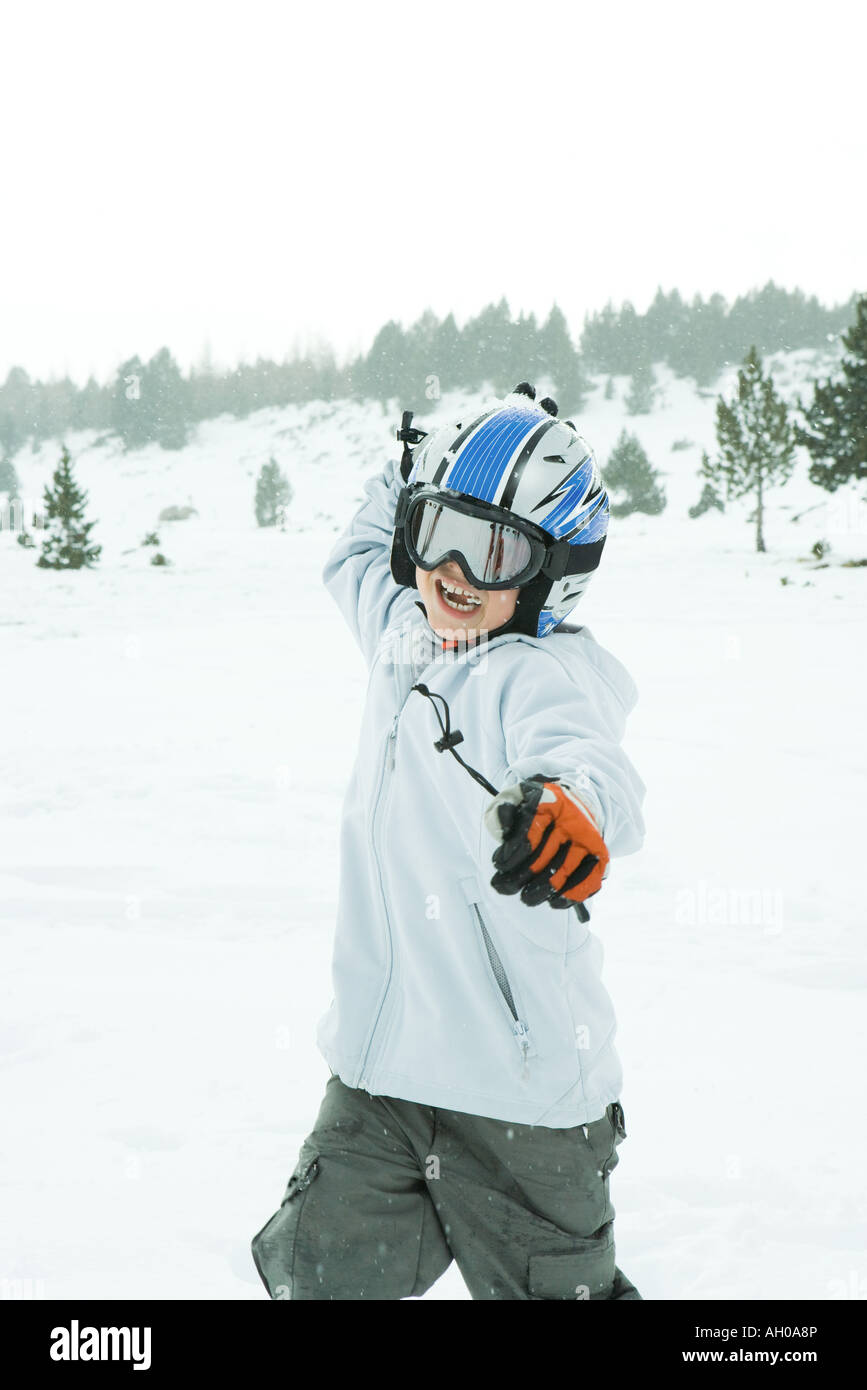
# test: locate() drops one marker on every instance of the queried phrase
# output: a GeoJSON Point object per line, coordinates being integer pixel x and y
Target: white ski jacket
{"type": "Point", "coordinates": [447, 992]}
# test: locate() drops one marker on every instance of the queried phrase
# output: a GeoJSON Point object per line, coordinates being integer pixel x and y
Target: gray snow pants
{"type": "Point", "coordinates": [386, 1193]}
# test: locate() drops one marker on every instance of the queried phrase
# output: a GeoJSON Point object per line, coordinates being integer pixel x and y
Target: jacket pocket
{"type": "Point", "coordinates": [511, 1007]}
{"type": "Point", "coordinates": [584, 1271]}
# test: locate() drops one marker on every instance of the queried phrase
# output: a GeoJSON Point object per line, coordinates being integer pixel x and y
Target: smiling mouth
{"type": "Point", "coordinates": [457, 598]}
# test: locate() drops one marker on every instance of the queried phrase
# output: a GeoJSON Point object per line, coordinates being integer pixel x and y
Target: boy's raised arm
{"type": "Point", "coordinates": [358, 570]}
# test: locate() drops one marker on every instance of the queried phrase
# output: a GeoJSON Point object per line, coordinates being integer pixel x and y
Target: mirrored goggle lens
{"type": "Point", "coordinates": [493, 552]}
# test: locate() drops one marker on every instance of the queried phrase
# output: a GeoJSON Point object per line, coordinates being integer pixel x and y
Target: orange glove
{"type": "Point", "coordinates": [551, 850]}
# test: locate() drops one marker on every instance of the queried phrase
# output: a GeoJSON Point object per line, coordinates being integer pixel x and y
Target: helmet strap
{"type": "Point", "coordinates": [528, 606]}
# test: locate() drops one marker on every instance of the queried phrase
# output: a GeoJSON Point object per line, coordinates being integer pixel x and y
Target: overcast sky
{"type": "Point", "coordinates": [251, 176]}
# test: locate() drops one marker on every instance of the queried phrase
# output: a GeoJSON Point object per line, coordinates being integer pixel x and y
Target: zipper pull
{"type": "Point", "coordinates": [392, 739]}
{"type": "Point", "coordinates": [522, 1036]}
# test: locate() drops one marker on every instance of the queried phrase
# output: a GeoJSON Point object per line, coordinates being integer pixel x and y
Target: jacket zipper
{"type": "Point", "coordinates": [361, 1079]}
{"type": "Point", "coordinates": [388, 765]}
{"type": "Point", "coordinates": [520, 1029]}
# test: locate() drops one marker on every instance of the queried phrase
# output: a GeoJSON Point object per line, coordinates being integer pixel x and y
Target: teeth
{"type": "Point", "coordinates": [456, 588]}
{"type": "Point", "coordinates": [467, 602]}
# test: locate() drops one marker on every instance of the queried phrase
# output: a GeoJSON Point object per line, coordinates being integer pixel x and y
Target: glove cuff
{"type": "Point", "coordinates": [513, 794]}
{"type": "Point", "coordinates": [583, 796]}
{"type": "Point", "coordinates": [586, 800]}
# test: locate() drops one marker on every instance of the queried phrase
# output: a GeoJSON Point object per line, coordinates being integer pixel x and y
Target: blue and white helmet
{"type": "Point", "coordinates": [521, 460]}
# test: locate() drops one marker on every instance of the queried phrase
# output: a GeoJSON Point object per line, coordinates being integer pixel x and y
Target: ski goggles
{"type": "Point", "coordinates": [493, 553]}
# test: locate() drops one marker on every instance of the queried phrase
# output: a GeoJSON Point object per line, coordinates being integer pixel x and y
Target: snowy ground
{"type": "Point", "coordinates": [176, 744]}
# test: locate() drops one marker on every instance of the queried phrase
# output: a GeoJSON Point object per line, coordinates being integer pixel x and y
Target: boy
{"type": "Point", "coordinates": [472, 1111]}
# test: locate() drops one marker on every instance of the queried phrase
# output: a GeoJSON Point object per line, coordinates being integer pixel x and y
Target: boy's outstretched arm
{"type": "Point", "coordinates": [569, 737]}
{"type": "Point", "coordinates": [358, 570]}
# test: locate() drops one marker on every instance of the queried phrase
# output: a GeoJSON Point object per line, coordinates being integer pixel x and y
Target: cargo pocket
{"type": "Point", "coordinates": [586, 1271]}
{"type": "Point", "coordinates": [274, 1246]}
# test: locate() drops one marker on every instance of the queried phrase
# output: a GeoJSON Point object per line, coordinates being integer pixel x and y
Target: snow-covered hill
{"type": "Point", "coordinates": [176, 742]}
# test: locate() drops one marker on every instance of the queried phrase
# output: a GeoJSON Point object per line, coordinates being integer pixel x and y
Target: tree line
{"type": "Point", "coordinates": [153, 401]}
{"type": "Point", "coordinates": [757, 435]}
{"type": "Point", "coordinates": [756, 441]}
{"type": "Point", "coordinates": [701, 338]}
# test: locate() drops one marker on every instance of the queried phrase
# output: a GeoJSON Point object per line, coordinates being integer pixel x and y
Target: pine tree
{"type": "Point", "coordinates": [376, 375]}
{"type": "Point", "coordinates": [152, 403]}
{"type": "Point", "coordinates": [168, 402]}
{"type": "Point", "coordinates": [448, 367]}
{"type": "Point", "coordinates": [642, 394]}
{"type": "Point", "coordinates": [18, 396]}
{"type": "Point", "coordinates": [67, 541]}
{"type": "Point", "coordinates": [629, 472]}
{"type": "Point", "coordinates": [273, 495]}
{"type": "Point", "coordinates": [836, 433]}
{"type": "Point", "coordinates": [710, 498]}
{"type": "Point", "coordinates": [485, 348]}
{"type": "Point", "coordinates": [12, 435]}
{"type": "Point", "coordinates": [560, 362]}
{"type": "Point", "coordinates": [634, 351]}
{"type": "Point", "coordinates": [92, 408]}
{"type": "Point", "coordinates": [521, 350]}
{"type": "Point", "coordinates": [11, 508]}
{"type": "Point", "coordinates": [8, 478]}
{"type": "Point", "coordinates": [601, 343]}
{"type": "Point", "coordinates": [130, 412]}
{"type": "Point", "coordinates": [709, 341]}
{"type": "Point", "coordinates": [755, 438]}
{"type": "Point", "coordinates": [418, 362]}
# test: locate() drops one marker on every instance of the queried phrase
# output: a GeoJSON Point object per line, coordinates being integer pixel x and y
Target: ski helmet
{"type": "Point", "coordinates": [533, 479]}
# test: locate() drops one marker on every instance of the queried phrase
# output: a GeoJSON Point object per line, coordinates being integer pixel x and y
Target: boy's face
{"type": "Point", "coordinates": [454, 615]}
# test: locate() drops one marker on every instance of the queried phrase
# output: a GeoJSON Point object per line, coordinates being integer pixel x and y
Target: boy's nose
{"type": "Point", "coordinates": [454, 571]}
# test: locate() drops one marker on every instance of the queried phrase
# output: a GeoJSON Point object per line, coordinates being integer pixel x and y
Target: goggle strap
{"type": "Point", "coordinates": [402, 504]}
{"type": "Point", "coordinates": [558, 559]}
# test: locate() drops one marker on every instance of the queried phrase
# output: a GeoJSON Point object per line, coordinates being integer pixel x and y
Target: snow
{"type": "Point", "coordinates": [176, 745]}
